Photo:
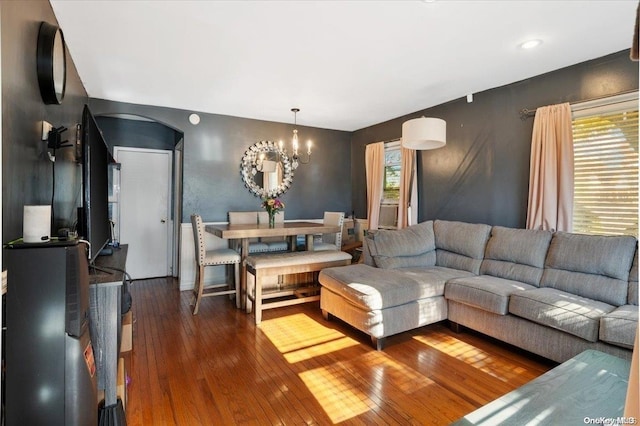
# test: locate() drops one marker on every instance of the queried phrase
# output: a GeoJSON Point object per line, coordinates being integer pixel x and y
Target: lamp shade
{"type": "Point", "coordinates": [424, 133]}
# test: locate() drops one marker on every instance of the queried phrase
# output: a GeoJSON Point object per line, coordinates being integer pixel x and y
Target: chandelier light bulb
{"type": "Point", "coordinates": [295, 142]}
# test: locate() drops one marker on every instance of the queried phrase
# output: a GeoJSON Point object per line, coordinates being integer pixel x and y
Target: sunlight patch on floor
{"type": "Point", "coordinates": [498, 368]}
{"type": "Point", "coordinates": [388, 370]}
{"type": "Point", "coordinates": [337, 391]}
{"type": "Point", "coordinates": [299, 337]}
{"type": "Point", "coordinates": [344, 389]}
{"type": "Point", "coordinates": [338, 387]}
{"type": "Point", "coordinates": [319, 349]}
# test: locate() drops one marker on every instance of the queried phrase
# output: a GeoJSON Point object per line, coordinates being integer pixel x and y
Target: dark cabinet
{"type": "Point", "coordinates": [51, 376]}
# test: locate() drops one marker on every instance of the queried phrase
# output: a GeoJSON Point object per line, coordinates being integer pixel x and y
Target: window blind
{"type": "Point", "coordinates": [606, 172]}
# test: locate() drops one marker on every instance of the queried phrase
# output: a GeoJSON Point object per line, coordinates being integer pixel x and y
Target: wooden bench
{"type": "Point", "coordinates": [277, 264]}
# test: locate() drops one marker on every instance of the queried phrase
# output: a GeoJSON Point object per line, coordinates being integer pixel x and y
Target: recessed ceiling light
{"type": "Point", "coordinates": [530, 44]}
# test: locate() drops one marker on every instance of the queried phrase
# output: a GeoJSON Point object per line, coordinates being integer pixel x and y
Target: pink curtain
{"type": "Point", "coordinates": [408, 202]}
{"type": "Point", "coordinates": [551, 171]}
{"type": "Point", "coordinates": [374, 169]}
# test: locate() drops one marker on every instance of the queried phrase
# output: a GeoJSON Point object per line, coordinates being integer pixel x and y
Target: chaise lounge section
{"type": "Point", "coordinates": [553, 294]}
{"type": "Point", "coordinates": [406, 291]}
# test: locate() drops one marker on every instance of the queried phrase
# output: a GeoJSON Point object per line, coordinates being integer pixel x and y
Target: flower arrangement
{"type": "Point", "coordinates": [272, 206]}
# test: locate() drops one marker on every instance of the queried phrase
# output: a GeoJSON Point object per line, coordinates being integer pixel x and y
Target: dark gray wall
{"type": "Point", "coordinates": [482, 174]}
{"type": "Point", "coordinates": [212, 184]}
{"type": "Point", "coordinates": [137, 133]}
{"type": "Point", "coordinates": [26, 170]}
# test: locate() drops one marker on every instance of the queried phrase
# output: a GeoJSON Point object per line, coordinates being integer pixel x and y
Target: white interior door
{"type": "Point", "coordinates": [145, 203]}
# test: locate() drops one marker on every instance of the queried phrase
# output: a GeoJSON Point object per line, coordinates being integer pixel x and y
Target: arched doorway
{"type": "Point", "coordinates": [141, 142]}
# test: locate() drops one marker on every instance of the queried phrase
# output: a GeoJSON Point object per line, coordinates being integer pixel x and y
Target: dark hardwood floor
{"type": "Point", "coordinates": [218, 368]}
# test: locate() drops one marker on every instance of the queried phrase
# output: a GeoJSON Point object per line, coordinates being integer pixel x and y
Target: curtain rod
{"type": "Point", "coordinates": [385, 142]}
{"type": "Point", "coordinates": [527, 113]}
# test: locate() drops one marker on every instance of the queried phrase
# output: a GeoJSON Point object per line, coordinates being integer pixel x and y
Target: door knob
{"type": "Point", "coordinates": [163, 220]}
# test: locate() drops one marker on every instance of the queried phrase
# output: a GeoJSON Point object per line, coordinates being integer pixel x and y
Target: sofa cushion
{"type": "Point", "coordinates": [411, 246]}
{"type": "Point", "coordinates": [516, 254]}
{"type": "Point", "coordinates": [632, 294]}
{"type": "Point", "coordinates": [619, 326]}
{"type": "Point", "coordinates": [485, 292]}
{"type": "Point", "coordinates": [564, 311]}
{"type": "Point", "coordinates": [372, 288]}
{"type": "Point", "coordinates": [592, 266]}
{"type": "Point", "coordinates": [460, 245]}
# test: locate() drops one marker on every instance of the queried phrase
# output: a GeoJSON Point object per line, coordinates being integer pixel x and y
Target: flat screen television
{"type": "Point", "coordinates": [93, 216]}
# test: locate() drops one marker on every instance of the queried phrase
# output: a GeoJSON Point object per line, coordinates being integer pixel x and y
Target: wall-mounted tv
{"type": "Point", "coordinates": [93, 216]}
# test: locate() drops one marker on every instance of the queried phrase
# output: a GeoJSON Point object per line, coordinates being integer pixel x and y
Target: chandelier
{"type": "Point", "coordinates": [297, 157]}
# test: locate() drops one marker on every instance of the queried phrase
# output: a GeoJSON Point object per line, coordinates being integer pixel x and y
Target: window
{"type": "Point", "coordinates": [605, 139]}
{"type": "Point", "coordinates": [392, 164]}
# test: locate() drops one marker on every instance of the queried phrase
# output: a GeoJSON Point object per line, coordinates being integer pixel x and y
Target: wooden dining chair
{"type": "Point", "coordinates": [331, 241]}
{"type": "Point", "coordinates": [247, 218]}
{"type": "Point", "coordinates": [217, 257]}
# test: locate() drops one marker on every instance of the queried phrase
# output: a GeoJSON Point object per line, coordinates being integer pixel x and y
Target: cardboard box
{"type": "Point", "coordinates": [353, 230]}
{"type": "Point", "coordinates": [361, 227]}
{"type": "Point", "coordinates": [121, 384]}
{"type": "Point", "coordinates": [126, 344]}
{"type": "Point", "coordinates": [348, 232]}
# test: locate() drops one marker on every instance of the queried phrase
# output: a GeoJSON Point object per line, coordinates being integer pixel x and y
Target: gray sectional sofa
{"type": "Point", "coordinates": [553, 294]}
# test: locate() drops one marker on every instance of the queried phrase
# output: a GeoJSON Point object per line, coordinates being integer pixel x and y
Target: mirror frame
{"type": "Point", "coordinates": [51, 63]}
{"type": "Point", "coordinates": [247, 166]}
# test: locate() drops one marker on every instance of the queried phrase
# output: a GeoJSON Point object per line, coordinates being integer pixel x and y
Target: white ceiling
{"type": "Point", "coordinates": [345, 64]}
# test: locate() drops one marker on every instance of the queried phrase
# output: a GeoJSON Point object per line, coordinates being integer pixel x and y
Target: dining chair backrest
{"type": "Point", "coordinates": [243, 218]}
{"type": "Point", "coordinates": [198, 238]}
{"type": "Point", "coordinates": [334, 219]}
{"type": "Point", "coordinates": [263, 217]}
{"type": "Point", "coordinates": [247, 218]}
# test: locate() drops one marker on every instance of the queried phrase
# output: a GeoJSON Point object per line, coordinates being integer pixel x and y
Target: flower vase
{"type": "Point", "coordinates": [272, 219]}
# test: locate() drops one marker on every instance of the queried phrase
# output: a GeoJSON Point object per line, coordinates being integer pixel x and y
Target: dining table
{"type": "Point", "coordinates": [245, 232]}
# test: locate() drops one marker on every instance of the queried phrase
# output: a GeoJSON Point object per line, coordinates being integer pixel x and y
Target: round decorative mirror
{"type": "Point", "coordinates": [51, 63]}
{"type": "Point", "coordinates": [266, 169]}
